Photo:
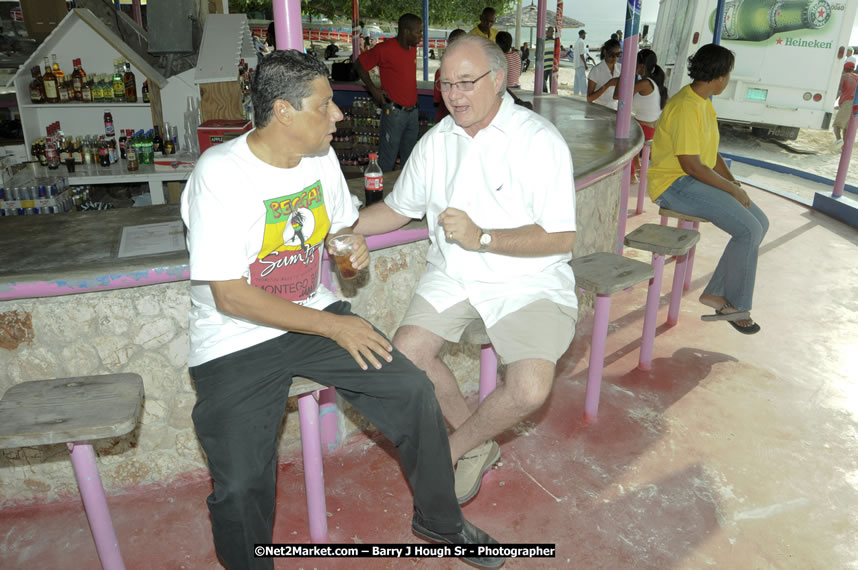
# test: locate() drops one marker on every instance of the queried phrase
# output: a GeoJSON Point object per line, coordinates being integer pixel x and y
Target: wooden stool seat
{"type": "Point", "coordinates": [687, 217]}
{"type": "Point", "coordinates": [76, 411]}
{"type": "Point", "coordinates": [604, 274]}
{"type": "Point", "coordinates": [62, 410]}
{"type": "Point", "coordinates": [661, 241]}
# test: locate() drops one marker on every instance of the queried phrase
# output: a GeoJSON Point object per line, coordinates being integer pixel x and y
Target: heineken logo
{"type": "Point", "coordinates": [798, 42]}
{"type": "Point", "coordinates": [818, 13]}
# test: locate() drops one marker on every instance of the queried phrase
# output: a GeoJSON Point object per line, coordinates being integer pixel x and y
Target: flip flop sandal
{"type": "Point", "coordinates": [720, 315]}
{"type": "Point", "coordinates": [748, 329]}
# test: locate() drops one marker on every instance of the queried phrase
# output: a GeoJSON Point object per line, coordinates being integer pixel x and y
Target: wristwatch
{"type": "Point", "coordinates": [485, 240]}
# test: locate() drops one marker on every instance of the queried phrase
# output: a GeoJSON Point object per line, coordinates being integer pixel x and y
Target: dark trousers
{"type": "Point", "coordinates": [241, 399]}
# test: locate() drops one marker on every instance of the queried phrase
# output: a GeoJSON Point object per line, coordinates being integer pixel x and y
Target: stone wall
{"type": "Point", "coordinates": [145, 330]}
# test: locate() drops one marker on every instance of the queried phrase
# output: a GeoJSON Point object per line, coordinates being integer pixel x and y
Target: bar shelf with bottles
{"type": "Point", "coordinates": [357, 134]}
{"type": "Point", "coordinates": [54, 87]}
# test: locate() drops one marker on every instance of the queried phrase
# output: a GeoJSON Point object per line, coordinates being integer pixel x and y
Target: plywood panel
{"type": "Point", "coordinates": [220, 100]}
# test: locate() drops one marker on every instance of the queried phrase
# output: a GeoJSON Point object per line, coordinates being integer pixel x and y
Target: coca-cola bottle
{"type": "Point", "coordinates": [373, 181]}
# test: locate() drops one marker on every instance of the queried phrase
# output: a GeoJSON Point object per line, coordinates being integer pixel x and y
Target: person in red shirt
{"type": "Point", "coordinates": [396, 60]}
{"type": "Point", "coordinates": [845, 95]}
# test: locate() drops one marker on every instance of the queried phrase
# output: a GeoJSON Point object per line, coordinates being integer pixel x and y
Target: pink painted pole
{"type": "Point", "coordinates": [676, 289]}
{"type": "Point", "coordinates": [652, 297]}
{"type": "Point", "coordinates": [355, 29]}
{"type": "Point", "coordinates": [329, 417]}
{"type": "Point", "coordinates": [558, 31]}
{"type": "Point", "coordinates": [138, 12]}
{"type": "Point", "coordinates": [287, 24]}
{"type": "Point", "coordinates": [539, 52]}
{"type": "Point", "coordinates": [627, 85]}
{"type": "Point", "coordinates": [597, 356]}
{"type": "Point", "coordinates": [643, 182]}
{"type": "Point", "coordinates": [687, 285]}
{"type": "Point", "coordinates": [314, 477]}
{"type": "Point", "coordinates": [95, 505]}
{"type": "Point", "coordinates": [624, 206]}
{"type": "Point", "coordinates": [488, 371]}
{"type": "Point", "coordinates": [846, 153]}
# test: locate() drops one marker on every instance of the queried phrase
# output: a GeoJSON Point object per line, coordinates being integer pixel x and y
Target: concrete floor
{"type": "Point", "coordinates": [733, 452]}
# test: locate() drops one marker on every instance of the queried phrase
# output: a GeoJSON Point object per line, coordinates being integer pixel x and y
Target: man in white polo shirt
{"type": "Point", "coordinates": [501, 230]}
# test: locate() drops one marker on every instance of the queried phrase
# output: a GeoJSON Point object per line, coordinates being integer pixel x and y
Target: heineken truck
{"type": "Point", "coordinates": [789, 57]}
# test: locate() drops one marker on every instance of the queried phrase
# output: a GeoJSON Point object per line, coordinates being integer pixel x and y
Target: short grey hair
{"type": "Point", "coordinates": [495, 57]}
{"type": "Point", "coordinates": [285, 74]}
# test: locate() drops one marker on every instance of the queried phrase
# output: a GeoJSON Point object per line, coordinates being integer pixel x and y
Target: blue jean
{"type": "Point", "coordinates": [581, 81]}
{"type": "Point", "coordinates": [241, 400]}
{"type": "Point", "coordinates": [736, 271]}
{"type": "Point", "coordinates": [399, 130]}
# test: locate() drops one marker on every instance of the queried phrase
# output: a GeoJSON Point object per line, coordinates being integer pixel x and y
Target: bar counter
{"type": "Point", "coordinates": [70, 307]}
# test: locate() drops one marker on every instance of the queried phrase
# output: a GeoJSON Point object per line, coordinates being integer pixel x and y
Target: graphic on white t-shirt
{"type": "Point", "coordinates": [289, 262]}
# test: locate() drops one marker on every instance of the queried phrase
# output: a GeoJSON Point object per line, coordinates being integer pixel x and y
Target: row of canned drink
{"type": "Point", "coordinates": [31, 211]}
{"type": "Point", "coordinates": [33, 192]}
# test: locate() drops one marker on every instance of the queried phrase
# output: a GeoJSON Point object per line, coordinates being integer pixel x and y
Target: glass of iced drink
{"type": "Point", "coordinates": [342, 247]}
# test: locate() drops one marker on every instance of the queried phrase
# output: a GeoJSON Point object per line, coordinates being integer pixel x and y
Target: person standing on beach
{"type": "Point", "coordinates": [485, 27]}
{"type": "Point", "coordinates": [396, 59]}
{"type": "Point", "coordinates": [845, 96]}
{"type": "Point", "coordinates": [548, 59]}
{"type": "Point", "coordinates": [581, 64]}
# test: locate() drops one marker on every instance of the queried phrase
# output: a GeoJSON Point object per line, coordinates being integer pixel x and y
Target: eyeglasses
{"type": "Point", "coordinates": [614, 54]}
{"type": "Point", "coordinates": [462, 85]}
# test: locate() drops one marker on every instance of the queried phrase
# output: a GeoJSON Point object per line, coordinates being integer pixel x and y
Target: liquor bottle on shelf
{"type": "Point", "coordinates": [52, 155]}
{"type": "Point", "coordinates": [118, 84]}
{"type": "Point", "coordinates": [37, 88]}
{"type": "Point", "coordinates": [131, 155]}
{"type": "Point", "coordinates": [86, 91]}
{"type": "Point", "coordinates": [157, 141]}
{"type": "Point", "coordinates": [56, 68]}
{"type": "Point", "coordinates": [63, 91]}
{"type": "Point", "coordinates": [130, 84]}
{"type": "Point", "coordinates": [108, 124]}
{"type": "Point", "coordinates": [49, 80]}
{"type": "Point", "coordinates": [78, 81]}
{"type": "Point", "coordinates": [146, 91]}
{"type": "Point", "coordinates": [123, 140]}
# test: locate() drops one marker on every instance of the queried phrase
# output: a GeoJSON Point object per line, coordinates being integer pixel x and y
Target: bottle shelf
{"type": "Point", "coordinates": [98, 105]}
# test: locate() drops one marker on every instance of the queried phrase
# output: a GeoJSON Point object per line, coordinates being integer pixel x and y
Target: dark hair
{"type": "Point", "coordinates": [649, 60]}
{"type": "Point", "coordinates": [504, 41]}
{"type": "Point", "coordinates": [615, 37]}
{"type": "Point", "coordinates": [710, 62]}
{"type": "Point", "coordinates": [607, 46]}
{"type": "Point", "coordinates": [409, 21]}
{"type": "Point", "coordinates": [283, 74]}
{"type": "Point", "coordinates": [270, 37]}
{"type": "Point", "coordinates": [488, 10]}
{"type": "Point", "coordinates": [581, 33]}
{"type": "Point", "coordinates": [455, 35]}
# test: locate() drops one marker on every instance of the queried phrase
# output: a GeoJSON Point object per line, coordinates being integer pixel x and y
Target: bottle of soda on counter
{"type": "Point", "coordinates": [373, 181]}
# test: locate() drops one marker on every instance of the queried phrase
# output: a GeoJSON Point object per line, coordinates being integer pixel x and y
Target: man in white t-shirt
{"type": "Point", "coordinates": [580, 86]}
{"type": "Point", "coordinates": [495, 183]}
{"type": "Point", "coordinates": [258, 210]}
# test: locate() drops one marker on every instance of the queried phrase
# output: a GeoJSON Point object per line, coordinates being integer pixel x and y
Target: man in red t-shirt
{"type": "Point", "coordinates": [845, 96]}
{"type": "Point", "coordinates": [396, 60]}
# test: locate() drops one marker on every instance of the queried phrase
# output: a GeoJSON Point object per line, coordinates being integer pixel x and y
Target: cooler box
{"type": "Point", "coordinates": [216, 131]}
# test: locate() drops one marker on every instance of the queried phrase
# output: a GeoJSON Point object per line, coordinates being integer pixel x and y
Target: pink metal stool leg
{"type": "Point", "coordinates": [688, 268]}
{"type": "Point", "coordinates": [327, 274]}
{"type": "Point", "coordinates": [652, 296]}
{"type": "Point", "coordinates": [642, 184]}
{"type": "Point", "coordinates": [314, 477]}
{"type": "Point", "coordinates": [624, 207]}
{"type": "Point", "coordinates": [597, 356]}
{"type": "Point", "coordinates": [488, 371]}
{"type": "Point", "coordinates": [676, 289]}
{"type": "Point", "coordinates": [95, 504]}
{"type": "Point", "coordinates": [329, 418]}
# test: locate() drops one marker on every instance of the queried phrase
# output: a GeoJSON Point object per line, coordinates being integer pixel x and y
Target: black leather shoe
{"type": "Point", "coordinates": [469, 534]}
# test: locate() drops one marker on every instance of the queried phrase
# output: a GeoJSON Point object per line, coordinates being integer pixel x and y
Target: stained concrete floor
{"type": "Point", "coordinates": [733, 452]}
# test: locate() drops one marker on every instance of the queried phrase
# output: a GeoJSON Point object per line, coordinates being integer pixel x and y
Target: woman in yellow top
{"type": "Point", "coordinates": [688, 175]}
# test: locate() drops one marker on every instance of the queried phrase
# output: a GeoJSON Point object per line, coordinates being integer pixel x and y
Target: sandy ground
{"type": "Point", "coordinates": [814, 146]}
